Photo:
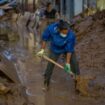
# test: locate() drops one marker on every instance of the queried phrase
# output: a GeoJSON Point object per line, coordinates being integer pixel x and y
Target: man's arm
{"type": "Point", "coordinates": [45, 38]}
{"type": "Point", "coordinates": [69, 49]}
{"type": "Point", "coordinates": [67, 66]}
{"type": "Point", "coordinates": [41, 52]}
{"type": "Point", "coordinates": [68, 57]}
{"type": "Point", "coordinates": [43, 45]}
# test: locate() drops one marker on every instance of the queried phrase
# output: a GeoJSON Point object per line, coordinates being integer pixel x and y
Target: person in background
{"type": "Point", "coordinates": [50, 14]}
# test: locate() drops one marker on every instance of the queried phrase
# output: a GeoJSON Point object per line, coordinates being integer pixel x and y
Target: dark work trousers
{"type": "Point", "coordinates": [50, 66]}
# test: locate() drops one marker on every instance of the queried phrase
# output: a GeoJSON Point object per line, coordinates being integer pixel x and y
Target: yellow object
{"type": "Point", "coordinates": [41, 52]}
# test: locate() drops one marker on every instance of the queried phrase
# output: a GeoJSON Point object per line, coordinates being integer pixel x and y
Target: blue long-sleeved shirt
{"type": "Point", "coordinates": [59, 44]}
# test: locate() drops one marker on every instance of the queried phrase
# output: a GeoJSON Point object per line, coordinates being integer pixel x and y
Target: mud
{"type": "Point", "coordinates": [91, 85]}
{"type": "Point", "coordinates": [90, 49]}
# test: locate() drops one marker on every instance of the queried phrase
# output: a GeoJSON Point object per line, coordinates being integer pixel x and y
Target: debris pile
{"type": "Point", "coordinates": [91, 46]}
{"type": "Point", "coordinates": [11, 93]}
{"type": "Point", "coordinates": [88, 24]}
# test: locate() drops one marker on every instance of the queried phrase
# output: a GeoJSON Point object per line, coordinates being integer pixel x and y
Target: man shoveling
{"type": "Point", "coordinates": [62, 41]}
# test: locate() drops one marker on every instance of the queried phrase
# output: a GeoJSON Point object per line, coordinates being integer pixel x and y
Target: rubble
{"type": "Point", "coordinates": [11, 93]}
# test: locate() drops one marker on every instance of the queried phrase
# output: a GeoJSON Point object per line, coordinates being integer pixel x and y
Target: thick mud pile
{"type": "Point", "coordinates": [91, 47]}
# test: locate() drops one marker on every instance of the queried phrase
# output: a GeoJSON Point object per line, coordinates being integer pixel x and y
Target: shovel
{"type": "Point", "coordinates": [57, 64]}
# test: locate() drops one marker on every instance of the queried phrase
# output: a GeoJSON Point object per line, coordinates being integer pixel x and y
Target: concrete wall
{"type": "Point", "coordinates": [73, 7]}
{"type": "Point", "coordinates": [78, 6]}
{"type": "Point", "coordinates": [67, 9]}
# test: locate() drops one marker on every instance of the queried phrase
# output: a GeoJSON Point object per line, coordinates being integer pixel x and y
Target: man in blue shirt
{"type": "Point", "coordinates": [62, 41]}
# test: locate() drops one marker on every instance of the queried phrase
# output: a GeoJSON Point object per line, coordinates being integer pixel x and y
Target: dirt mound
{"type": "Point", "coordinates": [99, 15]}
{"type": "Point", "coordinates": [89, 24]}
{"type": "Point", "coordinates": [91, 46]}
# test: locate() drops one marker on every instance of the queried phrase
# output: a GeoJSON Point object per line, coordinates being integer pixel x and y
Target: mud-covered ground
{"type": "Point", "coordinates": [90, 53]}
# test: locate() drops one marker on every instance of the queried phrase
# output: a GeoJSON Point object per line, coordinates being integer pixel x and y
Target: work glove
{"type": "Point", "coordinates": [41, 53]}
{"type": "Point", "coordinates": [67, 69]}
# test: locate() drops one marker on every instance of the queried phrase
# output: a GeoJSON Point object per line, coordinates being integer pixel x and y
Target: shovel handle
{"type": "Point", "coordinates": [52, 61]}
{"type": "Point", "coordinates": [57, 64]}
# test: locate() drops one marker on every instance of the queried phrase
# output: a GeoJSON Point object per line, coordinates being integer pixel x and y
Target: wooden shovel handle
{"type": "Point", "coordinates": [52, 61]}
{"type": "Point", "coordinates": [60, 66]}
